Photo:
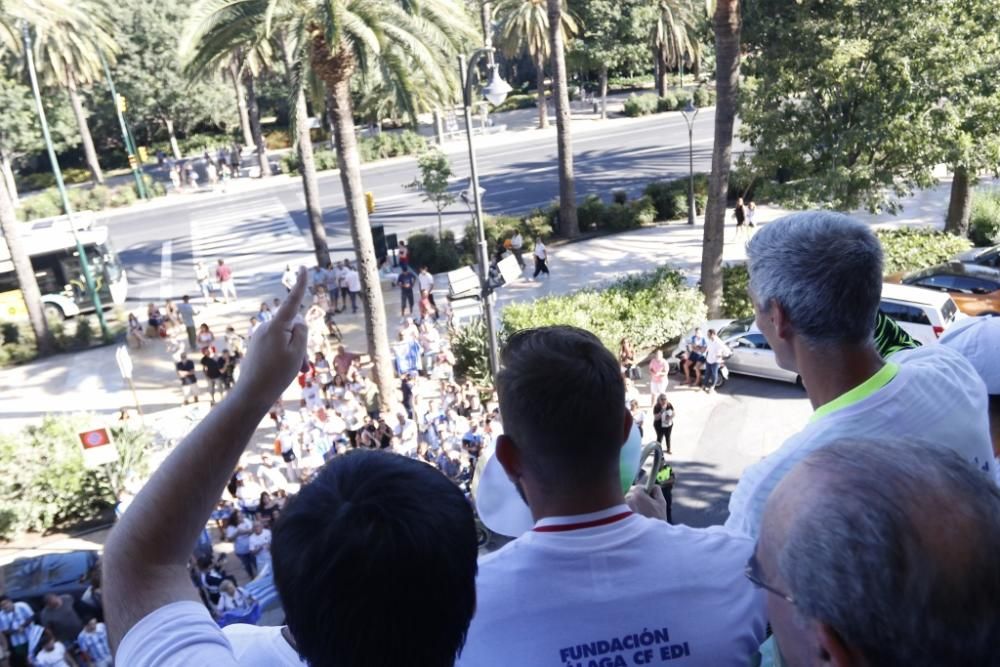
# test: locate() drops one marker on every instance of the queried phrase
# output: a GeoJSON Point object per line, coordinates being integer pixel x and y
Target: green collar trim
{"type": "Point", "coordinates": [859, 393]}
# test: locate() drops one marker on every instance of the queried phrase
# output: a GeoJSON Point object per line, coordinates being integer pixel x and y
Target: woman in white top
{"type": "Point", "coordinates": [52, 653]}
{"type": "Point", "coordinates": [260, 545]}
{"type": "Point", "coordinates": [233, 598]}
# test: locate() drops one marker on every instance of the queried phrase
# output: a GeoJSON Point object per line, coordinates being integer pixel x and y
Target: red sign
{"type": "Point", "coordinates": [96, 438]}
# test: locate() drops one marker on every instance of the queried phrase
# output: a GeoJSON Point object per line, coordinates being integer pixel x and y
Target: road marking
{"type": "Point", "coordinates": [166, 269]}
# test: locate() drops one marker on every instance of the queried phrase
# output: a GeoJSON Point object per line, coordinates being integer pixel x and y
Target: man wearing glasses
{"type": "Point", "coordinates": [865, 564]}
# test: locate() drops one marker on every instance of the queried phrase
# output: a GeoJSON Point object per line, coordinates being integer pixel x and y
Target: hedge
{"type": "Point", "coordinates": [440, 256]}
{"type": "Point", "coordinates": [44, 484]}
{"type": "Point", "coordinates": [904, 249]}
{"type": "Point", "coordinates": [670, 197]}
{"type": "Point", "coordinates": [379, 147]}
{"type": "Point", "coordinates": [48, 202]}
{"type": "Point", "coordinates": [984, 221]}
{"type": "Point", "coordinates": [650, 309]}
{"type": "Point", "coordinates": [643, 105]}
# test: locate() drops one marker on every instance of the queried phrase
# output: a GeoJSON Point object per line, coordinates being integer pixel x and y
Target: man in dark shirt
{"type": "Point", "coordinates": [189, 383]}
{"type": "Point", "coordinates": [406, 281]}
{"type": "Point", "coordinates": [213, 372]}
{"type": "Point", "coordinates": [59, 615]}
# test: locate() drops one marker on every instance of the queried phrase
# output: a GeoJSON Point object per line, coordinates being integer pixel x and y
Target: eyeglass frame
{"type": "Point", "coordinates": [751, 572]}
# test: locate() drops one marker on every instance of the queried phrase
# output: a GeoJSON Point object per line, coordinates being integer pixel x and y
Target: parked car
{"type": "Point", "coordinates": [751, 353]}
{"type": "Point", "coordinates": [983, 256]}
{"type": "Point", "coordinates": [31, 579]}
{"type": "Point", "coordinates": [923, 313]}
{"type": "Point", "coordinates": [974, 288]}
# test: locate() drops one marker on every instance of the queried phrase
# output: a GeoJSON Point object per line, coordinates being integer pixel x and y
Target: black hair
{"type": "Point", "coordinates": [375, 564]}
{"type": "Point", "coordinates": [566, 437]}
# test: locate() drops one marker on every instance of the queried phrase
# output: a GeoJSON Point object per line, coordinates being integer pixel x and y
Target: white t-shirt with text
{"type": "Point", "coordinates": [632, 591]}
{"type": "Point", "coordinates": [935, 398]}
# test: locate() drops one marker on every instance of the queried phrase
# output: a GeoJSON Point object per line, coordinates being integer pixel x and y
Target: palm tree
{"type": "Point", "coordinates": [232, 70]}
{"type": "Point", "coordinates": [69, 52]}
{"type": "Point", "coordinates": [674, 38]}
{"type": "Point", "coordinates": [726, 26]}
{"type": "Point", "coordinates": [568, 224]}
{"type": "Point", "coordinates": [524, 28]}
{"type": "Point", "coordinates": [250, 63]}
{"type": "Point", "coordinates": [339, 39]}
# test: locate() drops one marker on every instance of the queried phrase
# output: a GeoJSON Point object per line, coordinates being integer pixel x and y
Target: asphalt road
{"type": "Point", "coordinates": [260, 231]}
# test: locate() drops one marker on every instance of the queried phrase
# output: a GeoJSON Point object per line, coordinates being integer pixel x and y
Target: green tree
{"type": "Point", "coordinates": [675, 37]}
{"type": "Point", "coordinates": [161, 99]}
{"type": "Point", "coordinates": [726, 24]}
{"type": "Point", "coordinates": [569, 226]}
{"type": "Point", "coordinates": [338, 40]}
{"type": "Point", "coordinates": [886, 92]}
{"type": "Point", "coordinates": [435, 170]}
{"type": "Point", "coordinates": [523, 28]}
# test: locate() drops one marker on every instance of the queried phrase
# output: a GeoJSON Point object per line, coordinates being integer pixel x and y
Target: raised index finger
{"type": "Point", "coordinates": [290, 306]}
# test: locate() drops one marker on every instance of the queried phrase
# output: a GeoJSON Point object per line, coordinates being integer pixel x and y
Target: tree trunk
{"type": "Point", "coordinates": [543, 105]}
{"type": "Point", "coordinates": [960, 204]}
{"type": "Point", "coordinates": [253, 110]}
{"type": "Point", "coordinates": [486, 18]}
{"type": "Point", "coordinates": [175, 148]}
{"type": "Point", "coordinates": [307, 167]}
{"type": "Point", "coordinates": [604, 90]}
{"type": "Point", "coordinates": [726, 25]}
{"type": "Point", "coordinates": [241, 104]}
{"type": "Point", "coordinates": [7, 173]}
{"type": "Point", "coordinates": [348, 161]}
{"type": "Point", "coordinates": [568, 224]}
{"type": "Point", "coordinates": [90, 154]}
{"type": "Point", "coordinates": [662, 73]}
{"type": "Point", "coordinates": [24, 272]}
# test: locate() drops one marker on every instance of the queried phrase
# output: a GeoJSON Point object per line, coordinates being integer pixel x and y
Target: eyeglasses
{"type": "Point", "coordinates": [752, 573]}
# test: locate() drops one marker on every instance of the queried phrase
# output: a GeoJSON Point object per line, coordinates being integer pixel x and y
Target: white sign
{"type": "Point", "coordinates": [314, 123]}
{"type": "Point", "coordinates": [124, 360]}
{"type": "Point", "coordinates": [98, 449]}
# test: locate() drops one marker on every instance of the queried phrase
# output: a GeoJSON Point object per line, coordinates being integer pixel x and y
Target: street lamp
{"type": "Point", "coordinates": [496, 92]}
{"type": "Point", "coordinates": [88, 277]}
{"type": "Point", "coordinates": [690, 112]}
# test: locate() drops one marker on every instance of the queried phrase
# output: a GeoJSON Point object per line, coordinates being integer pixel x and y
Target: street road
{"type": "Point", "coordinates": [259, 232]}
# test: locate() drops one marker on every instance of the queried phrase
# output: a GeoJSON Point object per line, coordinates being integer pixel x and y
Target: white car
{"type": "Point", "coordinates": [751, 355]}
{"type": "Point", "coordinates": [923, 313]}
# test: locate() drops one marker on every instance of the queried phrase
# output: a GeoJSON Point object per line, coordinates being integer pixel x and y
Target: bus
{"type": "Point", "coordinates": [56, 262]}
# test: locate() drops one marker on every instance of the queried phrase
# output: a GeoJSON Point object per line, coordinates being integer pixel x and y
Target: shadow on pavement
{"type": "Point", "coordinates": [701, 497]}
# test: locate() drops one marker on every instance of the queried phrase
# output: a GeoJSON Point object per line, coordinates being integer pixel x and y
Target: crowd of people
{"type": "Point", "coordinates": [867, 538]}
{"type": "Point", "coordinates": [63, 633]}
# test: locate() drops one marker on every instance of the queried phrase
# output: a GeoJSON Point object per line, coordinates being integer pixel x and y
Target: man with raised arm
{"type": "Point", "coordinates": [372, 527]}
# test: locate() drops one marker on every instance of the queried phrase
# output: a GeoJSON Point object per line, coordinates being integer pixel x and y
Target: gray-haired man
{"type": "Point", "coordinates": [816, 283]}
{"type": "Point", "coordinates": [864, 564]}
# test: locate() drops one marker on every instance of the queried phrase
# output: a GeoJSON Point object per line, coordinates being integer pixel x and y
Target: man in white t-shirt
{"type": "Point", "coordinates": [593, 583]}
{"type": "Point", "coordinates": [406, 430]}
{"type": "Point", "coordinates": [815, 282]}
{"type": "Point", "coordinates": [417, 524]}
{"type": "Point", "coordinates": [517, 247]}
{"type": "Point", "coordinates": [353, 282]}
{"type": "Point", "coordinates": [715, 352]}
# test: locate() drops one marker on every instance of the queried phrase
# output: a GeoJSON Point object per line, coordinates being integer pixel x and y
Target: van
{"type": "Point", "coordinates": [925, 314]}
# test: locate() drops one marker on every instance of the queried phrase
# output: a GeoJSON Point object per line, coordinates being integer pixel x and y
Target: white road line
{"type": "Point", "coordinates": [166, 269]}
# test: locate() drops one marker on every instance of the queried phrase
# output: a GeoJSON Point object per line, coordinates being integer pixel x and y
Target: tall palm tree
{"type": "Point", "coordinates": [524, 29]}
{"type": "Point", "coordinates": [69, 51]}
{"type": "Point", "coordinates": [250, 63]}
{"type": "Point", "coordinates": [339, 39]}
{"type": "Point", "coordinates": [726, 22]}
{"type": "Point", "coordinates": [674, 38]}
{"type": "Point", "coordinates": [569, 226]}
{"type": "Point", "coordinates": [232, 70]}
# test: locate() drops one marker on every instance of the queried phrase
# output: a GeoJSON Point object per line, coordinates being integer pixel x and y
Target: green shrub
{"type": "Point", "coordinates": [125, 195]}
{"type": "Point", "coordinates": [640, 105]}
{"type": "Point", "coordinates": [391, 144]}
{"type": "Point", "coordinates": [670, 198]}
{"type": "Point", "coordinates": [10, 332]}
{"type": "Point", "coordinates": [682, 98]}
{"type": "Point", "coordinates": [735, 291]}
{"type": "Point", "coordinates": [667, 103]}
{"type": "Point", "coordinates": [703, 97]}
{"type": "Point", "coordinates": [908, 249]}
{"type": "Point", "coordinates": [43, 205]}
{"type": "Point", "coordinates": [277, 138]}
{"type": "Point", "coordinates": [51, 488]}
{"type": "Point", "coordinates": [84, 335]}
{"type": "Point", "coordinates": [439, 256]}
{"type": "Point", "coordinates": [323, 158]}
{"type": "Point", "coordinates": [984, 221]}
{"type": "Point", "coordinates": [590, 212]}
{"type": "Point", "coordinates": [619, 83]}
{"type": "Point", "coordinates": [525, 101]}
{"type": "Point", "coordinates": [537, 224]}
{"type": "Point", "coordinates": [469, 344]}
{"type": "Point", "coordinates": [643, 211]}
{"type": "Point", "coordinates": [651, 309]}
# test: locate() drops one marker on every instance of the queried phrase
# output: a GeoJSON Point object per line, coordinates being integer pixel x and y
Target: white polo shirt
{"type": "Point", "coordinates": [426, 280]}
{"type": "Point", "coordinates": [621, 590]}
{"type": "Point", "coordinates": [935, 397]}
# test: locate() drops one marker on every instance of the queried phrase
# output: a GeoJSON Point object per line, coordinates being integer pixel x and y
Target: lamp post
{"type": "Point", "coordinates": [88, 277]}
{"type": "Point", "coordinates": [690, 112]}
{"type": "Point", "coordinates": [496, 92]}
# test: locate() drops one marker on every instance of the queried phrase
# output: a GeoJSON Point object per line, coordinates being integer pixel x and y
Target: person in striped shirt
{"type": "Point", "coordinates": [15, 619]}
{"type": "Point", "coordinates": [93, 642]}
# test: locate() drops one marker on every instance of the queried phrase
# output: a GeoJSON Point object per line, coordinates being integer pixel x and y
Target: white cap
{"type": "Point", "coordinates": [501, 507]}
{"type": "Point", "coordinates": [978, 340]}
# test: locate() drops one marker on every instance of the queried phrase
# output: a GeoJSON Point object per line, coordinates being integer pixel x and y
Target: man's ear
{"type": "Point", "coordinates": [833, 650]}
{"type": "Point", "coordinates": [509, 456]}
{"type": "Point", "coordinates": [779, 316]}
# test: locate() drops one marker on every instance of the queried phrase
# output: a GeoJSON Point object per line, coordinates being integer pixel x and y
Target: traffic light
{"type": "Point", "coordinates": [122, 106]}
{"type": "Point", "coordinates": [143, 155]}
{"type": "Point", "coordinates": [132, 162]}
{"type": "Point", "coordinates": [370, 202]}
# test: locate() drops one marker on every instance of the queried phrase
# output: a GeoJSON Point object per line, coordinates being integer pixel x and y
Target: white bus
{"type": "Point", "coordinates": [56, 262]}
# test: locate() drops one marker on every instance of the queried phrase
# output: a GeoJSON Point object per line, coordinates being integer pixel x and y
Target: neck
{"type": "Point", "coordinates": [578, 498]}
{"type": "Point", "coordinates": [835, 370]}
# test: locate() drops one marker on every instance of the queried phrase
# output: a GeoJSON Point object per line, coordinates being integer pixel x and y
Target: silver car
{"type": "Point", "coordinates": [751, 355]}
